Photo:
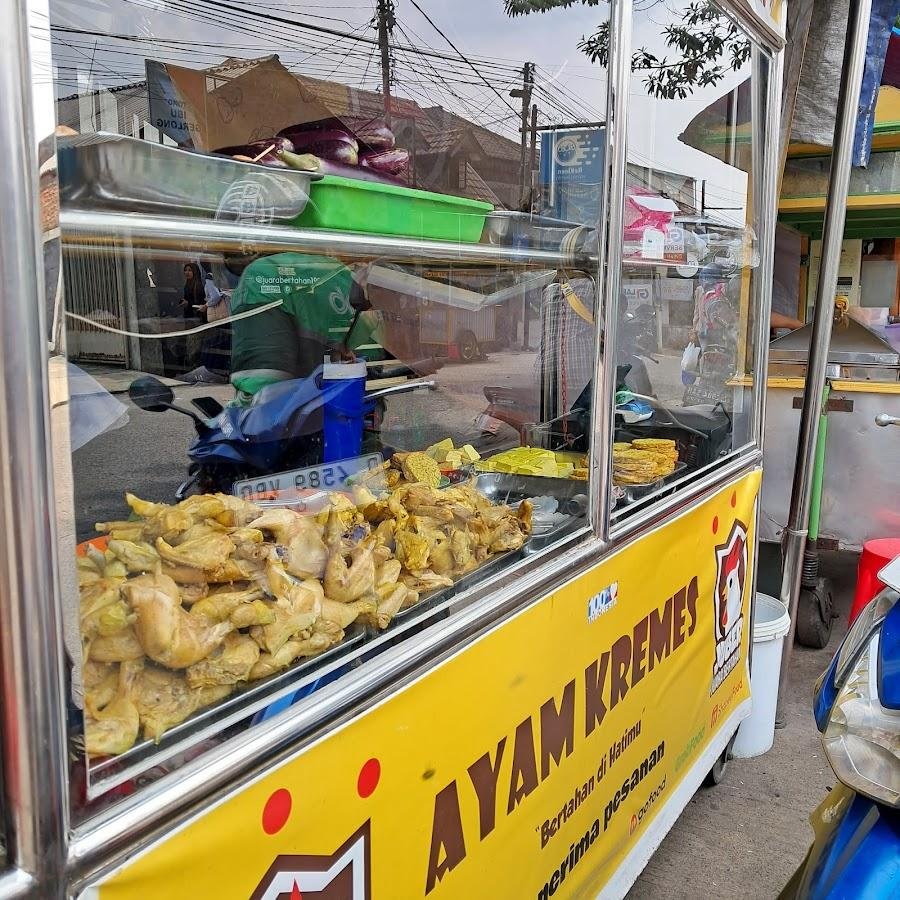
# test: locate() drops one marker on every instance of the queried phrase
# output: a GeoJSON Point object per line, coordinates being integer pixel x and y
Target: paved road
{"type": "Point", "coordinates": [148, 454]}
{"type": "Point", "coordinates": [743, 839]}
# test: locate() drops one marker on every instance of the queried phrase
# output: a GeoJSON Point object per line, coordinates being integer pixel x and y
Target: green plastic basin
{"type": "Point", "coordinates": [348, 204]}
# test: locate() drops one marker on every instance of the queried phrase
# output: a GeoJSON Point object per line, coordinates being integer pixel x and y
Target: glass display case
{"type": "Point", "coordinates": [363, 333]}
{"type": "Point", "coordinates": [330, 346]}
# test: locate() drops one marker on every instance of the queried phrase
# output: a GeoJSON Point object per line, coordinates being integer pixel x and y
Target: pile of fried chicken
{"type": "Point", "coordinates": [188, 601]}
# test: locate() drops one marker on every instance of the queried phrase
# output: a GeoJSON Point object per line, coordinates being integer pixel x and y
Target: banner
{"type": "Point", "coordinates": [571, 173]}
{"type": "Point", "coordinates": [528, 765]}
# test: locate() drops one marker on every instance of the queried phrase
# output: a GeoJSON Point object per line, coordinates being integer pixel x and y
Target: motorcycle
{"type": "Point", "coordinates": [856, 849]}
{"type": "Point", "coordinates": [281, 429]}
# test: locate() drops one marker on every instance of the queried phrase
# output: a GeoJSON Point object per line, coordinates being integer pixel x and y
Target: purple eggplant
{"type": "Point", "coordinates": [337, 143]}
{"type": "Point", "coordinates": [307, 162]}
{"type": "Point", "coordinates": [389, 162]}
{"type": "Point", "coordinates": [376, 136]}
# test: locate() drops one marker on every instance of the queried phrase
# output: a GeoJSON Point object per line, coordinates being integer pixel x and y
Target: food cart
{"type": "Point", "coordinates": [346, 663]}
{"type": "Point", "coordinates": [865, 347]}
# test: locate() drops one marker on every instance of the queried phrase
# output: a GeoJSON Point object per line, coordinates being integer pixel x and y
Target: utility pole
{"type": "Point", "coordinates": [532, 156]}
{"type": "Point", "coordinates": [524, 93]}
{"type": "Point", "coordinates": [386, 21]}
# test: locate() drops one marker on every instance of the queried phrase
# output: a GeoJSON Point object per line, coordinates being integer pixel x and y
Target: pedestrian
{"type": "Point", "coordinates": [194, 294]}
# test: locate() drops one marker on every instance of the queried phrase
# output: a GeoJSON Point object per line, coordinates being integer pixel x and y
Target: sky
{"type": "Point", "coordinates": [199, 33]}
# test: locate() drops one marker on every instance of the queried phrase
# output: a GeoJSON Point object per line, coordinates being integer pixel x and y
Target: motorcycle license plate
{"type": "Point", "coordinates": [291, 487]}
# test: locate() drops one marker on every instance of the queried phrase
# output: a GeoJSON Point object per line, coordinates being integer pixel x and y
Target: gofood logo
{"type": "Point", "coordinates": [638, 817]}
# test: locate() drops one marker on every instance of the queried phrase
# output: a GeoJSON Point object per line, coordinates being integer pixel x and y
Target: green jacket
{"type": "Point", "coordinates": [291, 340]}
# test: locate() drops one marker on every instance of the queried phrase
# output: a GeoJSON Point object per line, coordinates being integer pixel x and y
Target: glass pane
{"type": "Point", "coordinates": [330, 323]}
{"type": "Point", "coordinates": [686, 317]}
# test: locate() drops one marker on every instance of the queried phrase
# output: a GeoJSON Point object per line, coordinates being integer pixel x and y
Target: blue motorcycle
{"type": "Point", "coordinates": [856, 850]}
{"type": "Point", "coordinates": [281, 430]}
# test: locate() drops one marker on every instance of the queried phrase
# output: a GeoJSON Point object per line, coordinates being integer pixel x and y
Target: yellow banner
{"type": "Point", "coordinates": [526, 766]}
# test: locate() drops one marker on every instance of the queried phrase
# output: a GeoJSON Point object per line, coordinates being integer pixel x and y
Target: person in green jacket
{"type": "Point", "coordinates": [291, 340]}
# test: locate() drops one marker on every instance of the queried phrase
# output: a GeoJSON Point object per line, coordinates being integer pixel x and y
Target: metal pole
{"type": "Point", "coordinates": [813, 390]}
{"type": "Point", "coordinates": [525, 94]}
{"type": "Point", "coordinates": [32, 715]}
{"type": "Point", "coordinates": [385, 16]}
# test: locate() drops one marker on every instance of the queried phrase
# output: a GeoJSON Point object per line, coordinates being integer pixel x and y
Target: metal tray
{"type": "Point", "coordinates": [251, 698]}
{"type": "Point", "coordinates": [508, 228]}
{"type": "Point", "coordinates": [247, 700]}
{"type": "Point", "coordinates": [112, 172]}
{"type": "Point", "coordinates": [635, 492]}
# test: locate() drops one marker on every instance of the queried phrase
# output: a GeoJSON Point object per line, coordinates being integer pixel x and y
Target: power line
{"type": "Point", "coordinates": [461, 54]}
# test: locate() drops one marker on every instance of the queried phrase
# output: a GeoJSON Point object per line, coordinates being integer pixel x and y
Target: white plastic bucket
{"type": "Point", "coordinates": [757, 732]}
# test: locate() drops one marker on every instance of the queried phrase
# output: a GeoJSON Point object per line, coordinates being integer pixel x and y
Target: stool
{"type": "Point", "coordinates": [876, 554]}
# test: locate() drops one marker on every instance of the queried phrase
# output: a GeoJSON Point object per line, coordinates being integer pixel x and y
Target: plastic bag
{"type": "Point", "coordinates": [690, 363]}
{"type": "Point", "coordinates": [93, 410]}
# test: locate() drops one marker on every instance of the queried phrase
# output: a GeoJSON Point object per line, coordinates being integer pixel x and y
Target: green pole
{"type": "Point", "coordinates": [815, 506]}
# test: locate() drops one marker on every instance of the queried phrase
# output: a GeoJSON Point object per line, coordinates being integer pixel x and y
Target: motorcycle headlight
{"type": "Point", "coordinates": [862, 738]}
{"type": "Point", "coordinates": [861, 631]}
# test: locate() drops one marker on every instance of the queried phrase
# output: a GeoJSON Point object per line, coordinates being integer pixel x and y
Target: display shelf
{"type": "Point", "coordinates": [203, 235]}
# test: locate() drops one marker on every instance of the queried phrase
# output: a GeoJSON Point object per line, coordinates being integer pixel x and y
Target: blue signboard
{"type": "Point", "coordinates": [572, 173]}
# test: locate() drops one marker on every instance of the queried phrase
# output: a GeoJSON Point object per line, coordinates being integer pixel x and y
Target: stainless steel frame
{"type": "Point", "coordinates": [184, 234]}
{"type": "Point", "coordinates": [814, 386]}
{"type": "Point", "coordinates": [35, 780]}
{"type": "Point", "coordinates": [48, 859]}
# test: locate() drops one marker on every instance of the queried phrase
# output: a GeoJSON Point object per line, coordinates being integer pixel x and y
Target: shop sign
{"type": "Point", "coordinates": [571, 173]}
{"type": "Point", "coordinates": [531, 764]}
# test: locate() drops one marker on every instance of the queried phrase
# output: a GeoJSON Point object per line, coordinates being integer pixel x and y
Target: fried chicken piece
{"type": "Point", "coordinates": [137, 557]}
{"type": "Point", "coordinates": [229, 663]}
{"type": "Point", "coordinates": [191, 593]}
{"type": "Point", "coordinates": [208, 553]}
{"type": "Point", "coordinates": [384, 534]}
{"type": "Point", "coordinates": [212, 693]}
{"type": "Point", "coordinates": [304, 552]}
{"type": "Point", "coordinates": [524, 514]}
{"type": "Point", "coordinates": [237, 570]}
{"type": "Point", "coordinates": [347, 583]}
{"type": "Point", "coordinates": [218, 606]}
{"type": "Point", "coordinates": [122, 531]}
{"type": "Point", "coordinates": [249, 543]}
{"type": "Point", "coordinates": [345, 614]}
{"type": "Point", "coordinates": [256, 613]}
{"type": "Point", "coordinates": [236, 511]}
{"type": "Point", "coordinates": [296, 608]}
{"type": "Point", "coordinates": [114, 728]}
{"type": "Point", "coordinates": [459, 547]}
{"type": "Point", "coordinates": [196, 578]}
{"type": "Point", "coordinates": [197, 531]}
{"type": "Point", "coordinates": [163, 699]}
{"type": "Point", "coordinates": [202, 506]}
{"type": "Point", "coordinates": [507, 536]}
{"type": "Point", "coordinates": [388, 572]}
{"type": "Point", "coordinates": [411, 599]}
{"type": "Point", "coordinates": [270, 663]}
{"type": "Point", "coordinates": [412, 550]}
{"type": "Point", "coordinates": [425, 580]}
{"type": "Point", "coordinates": [113, 618]}
{"type": "Point", "coordinates": [379, 511]}
{"type": "Point", "coordinates": [119, 647]}
{"type": "Point", "coordinates": [170, 635]}
{"type": "Point", "coordinates": [144, 508]}
{"type": "Point", "coordinates": [318, 642]}
{"type": "Point", "coordinates": [95, 597]}
{"type": "Point", "coordinates": [388, 606]}
{"type": "Point", "coordinates": [101, 683]}
{"type": "Point", "coordinates": [363, 497]}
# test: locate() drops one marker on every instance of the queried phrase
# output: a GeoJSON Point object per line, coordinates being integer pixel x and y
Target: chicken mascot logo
{"type": "Point", "coordinates": [342, 875]}
{"type": "Point", "coordinates": [728, 602]}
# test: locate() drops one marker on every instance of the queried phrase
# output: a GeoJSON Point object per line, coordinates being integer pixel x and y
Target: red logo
{"type": "Point", "coordinates": [731, 565]}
